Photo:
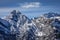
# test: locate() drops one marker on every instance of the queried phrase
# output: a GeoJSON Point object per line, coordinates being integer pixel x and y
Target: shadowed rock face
{"type": "Point", "coordinates": [19, 27]}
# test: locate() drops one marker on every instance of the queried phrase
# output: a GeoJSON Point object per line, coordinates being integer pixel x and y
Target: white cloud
{"type": "Point", "coordinates": [30, 5]}
{"type": "Point", "coordinates": [25, 7]}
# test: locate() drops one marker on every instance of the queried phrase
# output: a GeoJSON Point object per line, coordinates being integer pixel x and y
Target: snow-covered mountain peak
{"type": "Point", "coordinates": [23, 28]}
{"type": "Point", "coordinates": [51, 14]}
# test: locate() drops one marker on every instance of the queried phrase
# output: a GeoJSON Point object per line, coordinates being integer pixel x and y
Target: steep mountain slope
{"type": "Point", "coordinates": [56, 23]}
{"type": "Point", "coordinates": [17, 26]}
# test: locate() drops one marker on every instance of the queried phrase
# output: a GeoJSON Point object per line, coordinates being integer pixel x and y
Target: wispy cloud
{"type": "Point", "coordinates": [23, 6]}
{"type": "Point", "coordinates": [30, 5]}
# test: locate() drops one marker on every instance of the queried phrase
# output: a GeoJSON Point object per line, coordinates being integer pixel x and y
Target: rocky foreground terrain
{"type": "Point", "coordinates": [17, 26]}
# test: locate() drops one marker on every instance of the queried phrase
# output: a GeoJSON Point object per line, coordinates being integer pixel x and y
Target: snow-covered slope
{"type": "Point", "coordinates": [17, 26]}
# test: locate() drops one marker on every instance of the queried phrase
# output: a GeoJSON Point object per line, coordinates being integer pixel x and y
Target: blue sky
{"type": "Point", "coordinates": [31, 8]}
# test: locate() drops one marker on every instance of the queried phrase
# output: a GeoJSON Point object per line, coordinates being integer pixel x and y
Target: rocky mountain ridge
{"type": "Point", "coordinates": [19, 27]}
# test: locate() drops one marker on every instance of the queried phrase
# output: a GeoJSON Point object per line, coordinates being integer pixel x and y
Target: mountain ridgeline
{"type": "Point", "coordinates": [17, 26]}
